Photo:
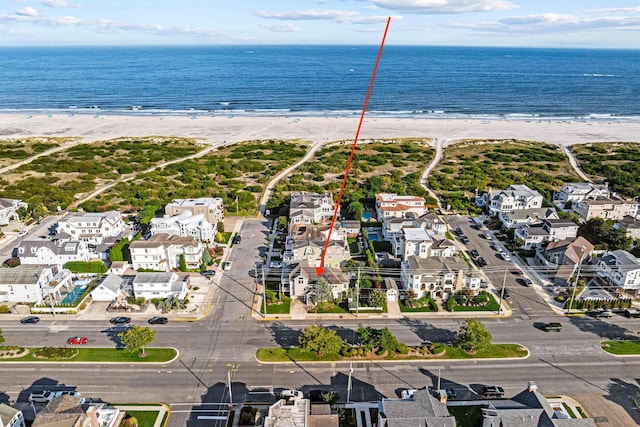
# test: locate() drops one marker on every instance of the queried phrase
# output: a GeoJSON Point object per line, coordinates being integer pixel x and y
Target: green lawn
{"type": "Point", "coordinates": [353, 245]}
{"type": "Point", "coordinates": [100, 354]}
{"type": "Point", "coordinates": [295, 354]}
{"type": "Point", "coordinates": [145, 418]}
{"type": "Point", "coordinates": [329, 307]}
{"type": "Point", "coordinates": [491, 306]}
{"type": "Point", "coordinates": [278, 308]}
{"type": "Point", "coordinates": [621, 347]}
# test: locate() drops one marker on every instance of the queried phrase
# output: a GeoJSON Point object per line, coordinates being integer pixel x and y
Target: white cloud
{"type": "Point", "coordinates": [27, 11]}
{"type": "Point", "coordinates": [58, 3]}
{"type": "Point", "coordinates": [308, 14]}
{"type": "Point", "coordinates": [617, 10]}
{"type": "Point", "coordinates": [444, 6]}
{"type": "Point", "coordinates": [287, 27]}
{"type": "Point", "coordinates": [375, 19]}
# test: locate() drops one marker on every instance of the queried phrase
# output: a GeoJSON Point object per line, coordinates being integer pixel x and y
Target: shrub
{"type": "Point", "coordinates": [330, 397]}
{"type": "Point", "coordinates": [5, 309]}
{"type": "Point", "coordinates": [129, 421]}
{"type": "Point", "coordinates": [346, 351]}
{"type": "Point", "coordinates": [451, 304]}
{"type": "Point", "coordinates": [402, 348]}
{"type": "Point", "coordinates": [55, 352]}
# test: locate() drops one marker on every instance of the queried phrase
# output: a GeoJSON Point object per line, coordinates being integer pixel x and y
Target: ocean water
{"type": "Point", "coordinates": [515, 83]}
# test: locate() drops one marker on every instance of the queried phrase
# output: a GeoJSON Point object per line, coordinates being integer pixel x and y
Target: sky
{"type": "Point", "coordinates": [534, 23]}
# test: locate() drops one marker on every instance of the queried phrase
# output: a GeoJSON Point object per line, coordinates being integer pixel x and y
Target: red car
{"type": "Point", "coordinates": [77, 340]}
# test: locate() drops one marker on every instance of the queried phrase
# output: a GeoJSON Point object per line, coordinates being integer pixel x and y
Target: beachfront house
{"type": "Point", "coordinates": [34, 283]}
{"type": "Point", "coordinates": [211, 207]}
{"type": "Point", "coordinates": [9, 210]}
{"type": "Point", "coordinates": [162, 252]}
{"type": "Point", "coordinates": [53, 252]}
{"type": "Point", "coordinates": [160, 285]}
{"type": "Point", "coordinates": [109, 289]}
{"type": "Point", "coordinates": [621, 269]}
{"type": "Point", "coordinates": [560, 259]}
{"type": "Point", "coordinates": [550, 230]}
{"type": "Point", "coordinates": [614, 207]}
{"type": "Point", "coordinates": [515, 197]}
{"type": "Point", "coordinates": [519, 217]}
{"type": "Point", "coordinates": [311, 208]}
{"type": "Point", "coordinates": [391, 205]}
{"type": "Point", "coordinates": [185, 224]}
{"type": "Point", "coordinates": [438, 277]}
{"type": "Point", "coordinates": [93, 228]}
{"type": "Point", "coordinates": [577, 191]}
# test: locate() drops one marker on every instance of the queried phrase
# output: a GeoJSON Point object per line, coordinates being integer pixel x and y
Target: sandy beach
{"type": "Point", "coordinates": [219, 129]}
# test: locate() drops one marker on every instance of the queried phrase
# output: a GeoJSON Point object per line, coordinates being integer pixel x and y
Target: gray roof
{"type": "Point", "coordinates": [436, 264]}
{"type": "Point", "coordinates": [623, 259]}
{"type": "Point", "coordinates": [113, 282]}
{"type": "Point", "coordinates": [423, 411]}
{"type": "Point", "coordinates": [560, 222]}
{"type": "Point", "coordinates": [540, 213]}
{"type": "Point", "coordinates": [22, 275]}
{"type": "Point", "coordinates": [153, 277]}
{"type": "Point", "coordinates": [93, 216]}
{"type": "Point", "coordinates": [58, 247]}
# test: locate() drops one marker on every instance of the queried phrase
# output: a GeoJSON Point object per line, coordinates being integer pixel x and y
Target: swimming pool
{"type": "Point", "coordinates": [78, 289]}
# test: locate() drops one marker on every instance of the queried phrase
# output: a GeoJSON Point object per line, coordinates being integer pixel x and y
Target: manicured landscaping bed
{"type": "Point", "coordinates": [145, 418]}
{"type": "Point", "coordinates": [628, 347]}
{"type": "Point", "coordinates": [102, 355]}
{"type": "Point", "coordinates": [492, 305]}
{"type": "Point", "coordinates": [282, 308]}
{"type": "Point", "coordinates": [296, 354]}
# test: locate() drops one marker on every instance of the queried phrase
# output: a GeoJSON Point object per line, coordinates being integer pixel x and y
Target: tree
{"type": "Point", "coordinates": [378, 298]}
{"type": "Point", "coordinates": [1, 337]}
{"type": "Point", "coordinates": [320, 339]}
{"type": "Point", "coordinates": [147, 213]}
{"type": "Point", "coordinates": [183, 263]}
{"type": "Point", "coordinates": [388, 341]}
{"type": "Point", "coordinates": [368, 337]}
{"type": "Point", "coordinates": [220, 226]}
{"type": "Point", "coordinates": [473, 336]}
{"type": "Point", "coordinates": [137, 338]}
{"type": "Point", "coordinates": [356, 210]}
{"type": "Point", "coordinates": [323, 290]}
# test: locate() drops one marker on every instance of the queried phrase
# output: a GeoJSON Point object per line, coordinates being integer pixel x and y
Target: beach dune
{"type": "Point", "coordinates": [219, 129]}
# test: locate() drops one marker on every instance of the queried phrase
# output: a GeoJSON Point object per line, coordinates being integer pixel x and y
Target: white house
{"type": "Point", "coordinates": [54, 252]}
{"type": "Point", "coordinates": [303, 278]}
{"type": "Point", "coordinates": [550, 230]}
{"type": "Point", "coordinates": [306, 243]}
{"type": "Point", "coordinates": [11, 417]}
{"type": "Point", "coordinates": [515, 197]}
{"type": "Point", "coordinates": [311, 208]}
{"type": "Point", "coordinates": [605, 208]}
{"type": "Point", "coordinates": [519, 217]}
{"type": "Point", "coordinates": [33, 283]}
{"type": "Point", "coordinates": [93, 228]}
{"type": "Point", "coordinates": [160, 285]}
{"type": "Point", "coordinates": [109, 288]}
{"type": "Point", "coordinates": [9, 210]}
{"type": "Point", "coordinates": [621, 269]}
{"type": "Point", "coordinates": [162, 252]}
{"type": "Point", "coordinates": [438, 277]}
{"type": "Point", "coordinates": [412, 241]}
{"type": "Point", "coordinates": [576, 191]}
{"type": "Point", "coordinates": [185, 224]}
{"type": "Point", "coordinates": [390, 205]}
{"type": "Point", "coordinates": [211, 207]}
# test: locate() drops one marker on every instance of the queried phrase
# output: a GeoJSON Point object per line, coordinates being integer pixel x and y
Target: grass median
{"type": "Point", "coordinates": [624, 347]}
{"type": "Point", "coordinates": [296, 354]}
{"type": "Point", "coordinates": [99, 355]}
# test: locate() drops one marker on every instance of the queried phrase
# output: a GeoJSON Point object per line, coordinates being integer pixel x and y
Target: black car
{"type": "Point", "coordinates": [120, 320]}
{"type": "Point", "coordinates": [481, 262]}
{"type": "Point", "coordinates": [474, 253]}
{"type": "Point", "coordinates": [237, 239]}
{"type": "Point", "coordinates": [505, 293]}
{"type": "Point", "coordinates": [30, 319]}
{"type": "Point", "coordinates": [451, 393]}
{"type": "Point", "coordinates": [158, 321]}
{"type": "Point", "coordinates": [464, 239]}
{"type": "Point", "coordinates": [492, 391]}
{"type": "Point", "coordinates": [459, 231]}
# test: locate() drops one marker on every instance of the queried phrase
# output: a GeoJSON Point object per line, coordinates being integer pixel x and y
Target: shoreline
{"type": "Point", "coordinates": [219, 129]}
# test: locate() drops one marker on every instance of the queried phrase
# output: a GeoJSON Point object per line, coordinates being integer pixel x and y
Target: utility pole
{"type": "Point", "coordinates": [264, 294]}
{"type": "Point", "coordinates": [575, 281]}
{"type": "Point", "coordinates": [504, 283]}
{"type": "Point", "coordinates": [358, 292]}
{"type": "Point", "coordinates": [232, 370]}
{"type": "Point", "coordinates": [349, 383]}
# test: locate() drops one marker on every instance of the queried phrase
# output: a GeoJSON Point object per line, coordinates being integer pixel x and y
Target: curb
{"type": "Point", "coordinates": [50, 362]}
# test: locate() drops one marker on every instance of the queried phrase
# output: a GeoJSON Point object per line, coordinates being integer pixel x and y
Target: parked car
{"type": "Point", "coordinates": [237, 239]}
{"type": "Point", "coordinates": [632, 312]}
{"type": "Point", "coordinates": [487, 235]}
{"type": "Point", "coordinates": [30, 319]}
{"type": "Point", "coordinates": [464, 239]}
{"type": "Point", "coordinates": [606, 314]}
{"type": "Point", "coordinates": [553, 326]}
{"type": "Point", "coordinates": [481, 262]}
{"type": "Point", "coordinates": [407, 393]}
{"type": "Point", "coordinates": [275, 264]}
{"type": "Point", "coordinates": [492, 391]}
{"type": "Point", "coordinates": [41, 396]}
{"type": "Point", "coordinates": [292, 393]}
{"type": "Point", "coordinates": [505, 293]}
{"type": "Point", "coordinates": [23, 233]}
{"type": "Point", "coordinates": [208, 273]}
{"type": "Point", "coordinates": [66, 393]}
{"type": "Point", "coordinates": [158, 321]}
{"type": "Point", "coordinates": [474, 253]}
{"type": "Point", "coordinates": [77, 340]}
{"type": "Point", "coordinates": [459, 231]}
{"type": "Point", "coordinates": [451, 393]}
{"type": "Point", "coordinates": [505, 256]}
{"type": "Point", "coordinates": [527, 282]}
{"type": "Point", "coordinates": [120, 320]}
{"type": "Point", "coordinates": [226, 265]}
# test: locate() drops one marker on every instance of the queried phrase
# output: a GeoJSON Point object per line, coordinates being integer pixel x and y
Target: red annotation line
{"type": "Point", "coordinates": [320, 270]}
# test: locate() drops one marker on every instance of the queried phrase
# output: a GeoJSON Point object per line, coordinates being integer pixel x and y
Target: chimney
{"type": "Point", "coordinates": [532, 387]}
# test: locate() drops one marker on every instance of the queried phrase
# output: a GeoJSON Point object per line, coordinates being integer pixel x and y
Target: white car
{"type": "Point", "coordinates": [505, 256]}
{"type": "Point", "coordinates": [292, 393]}
{"type": "Point", "coordinates": [275, 264]}
{"type": "Point", "coordinates": [23, 233]}
{"type": "Point", "coordinates": [408, 393]}
{"type": "Point", "coordinates": [41, 396]}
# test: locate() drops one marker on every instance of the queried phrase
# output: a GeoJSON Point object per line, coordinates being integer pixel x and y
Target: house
{"type": "Point", "coordinates": [160, 285]}
{"type": "Point", "coordinates": [311, 208]}
{"type": "Point", "coordinates": [563, 257]}
{"type": "Point", "coordinates": [185, 224]}
{"type": "Point", "coordinates": [54, 252]}
{"type": "Point", "coordinates": [9, 210]}
{"type": "Point", "coordinates": [162, 252]}
{"type": "Point", "coordinates": [298, 412]}
{"type": "Point", "coordinates": [432, 223]}
{"type": "Point", "coordinates": [438, 277]}
{"type": "Point", "coordinates": [550, 230]}
{"type": "Point", "coordinates": [515, 197]}
{"type": "Point", "coordinates": [211, 207]}
{"type": "Point", "coordinates": [109, 289]}
{"type": "Point", "coordinates": [306, 243]}
{"type": "Point", "coordinates": [422, 410]}
{"type": "Point", "coordinates": [71, 411]}
{"type": "Point", "coordinates": [528, 408]}
{"type": "Point", "coordinates": [390, 205]}
{"type": "Point", "coordinates": [303, 276]}
{"type": "Point", "coordinates": [352, 228]}
{"type": "Point", "coordinates": [577, 191]}
{"type": "Point", "coordinates": [33, 283]}
{"type": "Point", "coordinates": [11, 417]}
{"type": "Point", "coordinates": [631, 226]}
{"type": "Point", "coordinates": [519, 217]}
{"type": "Point", "coordinates": [606, 208]}
{"type": "Point", "coordinates": [620, 268]}
{"type": "Point", "coordinates": [412, 241]}
{"type": "Point", "coordinates": [93, 228]}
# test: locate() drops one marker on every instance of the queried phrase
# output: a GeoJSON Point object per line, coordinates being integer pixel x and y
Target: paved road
{"type": "Point", "coordinates": [195, 385]}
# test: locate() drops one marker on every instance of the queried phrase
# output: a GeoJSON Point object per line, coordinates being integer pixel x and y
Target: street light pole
{"type": "Point", "coordinates": [349, 383]}
{"type": "Point", "coordinates": [575, 281]}
{"type": "Point", "coordinates": [504, 283]}
{"type": "Point", "coordinates": [232, 370]}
